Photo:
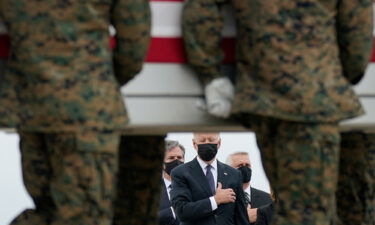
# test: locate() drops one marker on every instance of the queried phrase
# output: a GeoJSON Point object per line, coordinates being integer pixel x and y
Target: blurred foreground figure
{"type": "Point", "coordinates": [296, 62]}
{"type": "Point", "coordinates": [356, 187]}
{"type": "Point", "coordinates": [8, 117]}
{"type": "Point", "coordinates": [68, 104]}
{"type": "Point", "coordinates": [139, 185]}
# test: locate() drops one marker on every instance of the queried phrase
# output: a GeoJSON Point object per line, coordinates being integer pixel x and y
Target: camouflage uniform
{"type": "Point", "coordinates": [356, 187]}
{"type": "Point", "coordinates": [8, 117]}
{"type": "Point", "coordinates": [67, 101]}
{"type": "Point", "coordinates": [139, 180]}
{"type": "Point", "coordinates": [295, 62]}
{"type": "Point", "coordinates": [69, 176]}
{"type": "Point", "coordinates": [301, 161]}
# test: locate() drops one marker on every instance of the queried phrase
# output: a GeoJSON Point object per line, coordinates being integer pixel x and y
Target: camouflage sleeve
{"type": "Point", "coordinates": [354, 33]}
{"type": "Point", "coordinates": [132, 21]}
{"type": "Point", "coordinates": [202, 24]}
{"type": "Point", "coordinates": [8, 85]}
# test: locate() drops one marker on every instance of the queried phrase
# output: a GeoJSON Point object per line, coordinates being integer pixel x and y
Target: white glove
{"type": "Point", "coordinates": [219, 96]}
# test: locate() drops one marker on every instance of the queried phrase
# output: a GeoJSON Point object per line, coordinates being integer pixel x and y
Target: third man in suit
{"type": "Point", "coordinates": [254, 198]}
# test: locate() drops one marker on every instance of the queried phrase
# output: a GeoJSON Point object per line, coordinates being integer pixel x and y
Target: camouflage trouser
{"type": "Point", "coordinates": [301, 162]}
{"type": "Point", "coordinates": [356, 186]}
{"type": "Point", "coordinates": [138, 189]}
{"type": "Point", "coordinates": [70, 177]}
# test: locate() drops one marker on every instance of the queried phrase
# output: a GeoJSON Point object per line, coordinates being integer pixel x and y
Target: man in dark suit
{"type": "Point", "coordinates": [254, 198]}
{"type": "Point", "coordinates": [173, 157]}
{"type": "Point", "coordinates": [206, 191]}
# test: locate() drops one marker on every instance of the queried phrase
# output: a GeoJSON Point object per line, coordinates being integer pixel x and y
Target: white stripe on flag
{"type": "Point", "coordinates": [367, 84]}
{"type": "Point", "coordinates": [166, 20]}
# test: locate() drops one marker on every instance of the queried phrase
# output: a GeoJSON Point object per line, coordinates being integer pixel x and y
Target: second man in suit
{"type": "Point", "coordinates": [173, 157]}
{"type": "Point", "coordinates": [206, 191]}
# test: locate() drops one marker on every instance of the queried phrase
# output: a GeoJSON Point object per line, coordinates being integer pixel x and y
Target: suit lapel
{"type": "Point", "coordinates": [165, 203]}
{"type": "Point", "coordinates": [198, 175]}
{"type": "Point", "coordinates": [254, 198]}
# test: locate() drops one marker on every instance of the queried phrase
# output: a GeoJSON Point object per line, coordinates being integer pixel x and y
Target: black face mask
{"type": "Point", "coordinates": [207, 151]}
{"type": "Point", "coordinates": [246, 173]}
{"type": "Point", "coordinates": [171, 165]}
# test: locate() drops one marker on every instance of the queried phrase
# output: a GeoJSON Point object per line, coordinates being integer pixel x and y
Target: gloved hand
{"type": "Point", "coordinates": [219, 95]}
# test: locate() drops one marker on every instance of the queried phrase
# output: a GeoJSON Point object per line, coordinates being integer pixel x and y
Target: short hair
{"type": "Point", "coordinates": [229, 158]}
{"type": "Point", "coordinates": [170, 144]}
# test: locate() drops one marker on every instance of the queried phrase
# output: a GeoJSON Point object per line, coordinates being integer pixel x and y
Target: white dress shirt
{"type": "Point", "coordinates": [248, 190]}
{"type": "Point", "coordinates": [167, 184]}
{"type": "Point", "coordinates": [168, 187]}
{"type": "Point", "coordinates": [214, 173]}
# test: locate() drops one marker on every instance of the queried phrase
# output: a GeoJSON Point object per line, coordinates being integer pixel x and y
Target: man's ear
{"type": "Point", "coordinates": [219, 143]}
{"type": "Point", "coordinates": [195, 145]}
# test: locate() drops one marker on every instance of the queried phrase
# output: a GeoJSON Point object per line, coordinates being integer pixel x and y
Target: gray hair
{"type": "Point", "coordinates": [197, 133]}
{"type": "Point", "coordinates": [229, 158]}
{"type": "Point", "coordinates": [170, 144]}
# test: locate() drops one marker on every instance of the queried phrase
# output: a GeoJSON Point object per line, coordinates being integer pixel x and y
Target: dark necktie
{"type": "Point", "coordinates": [210, 178]}
{"type": "Point", "coordinates": [247, 198]}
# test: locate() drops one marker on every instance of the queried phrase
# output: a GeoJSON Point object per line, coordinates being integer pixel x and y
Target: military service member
{"type": "Point", "coordinates": [69, 106]}
{"type": "Point", "coordinates": [8, 118]}
{"type": "Point", "coordinates": [140, 163]}
{"type": "Point", "coordinates": [296, 62]}
{"type": "Point", "coordinates": [356, 186]}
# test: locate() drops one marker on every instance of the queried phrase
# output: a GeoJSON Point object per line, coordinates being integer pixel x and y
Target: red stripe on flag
{"type": "Point", "coordinates": [166, 50]}
{"type": "Point", "coordinates": [373, 50]}
{"type": "Point", "coordinates": [229, 46]}
{"type": "Point", "coordinates": [171, 50]}
{"type": "Point", "coordinates": [4, 46]}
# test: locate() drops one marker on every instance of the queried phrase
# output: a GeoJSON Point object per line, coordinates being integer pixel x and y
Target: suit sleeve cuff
{"type": "Point", "coordinates": [213, 203]}
{"type": "Point", "coordinates": [174, 215]}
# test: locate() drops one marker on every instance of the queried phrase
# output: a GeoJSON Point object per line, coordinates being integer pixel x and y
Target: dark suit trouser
{"type": "Point", "coordinates": [70, 177]}
{"type": "Point", "coordinates": [356, 185]}
{"type": "Point", "coordinates": [140, 165]}
{"type": "Point", "coordinates": [301, 162]}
